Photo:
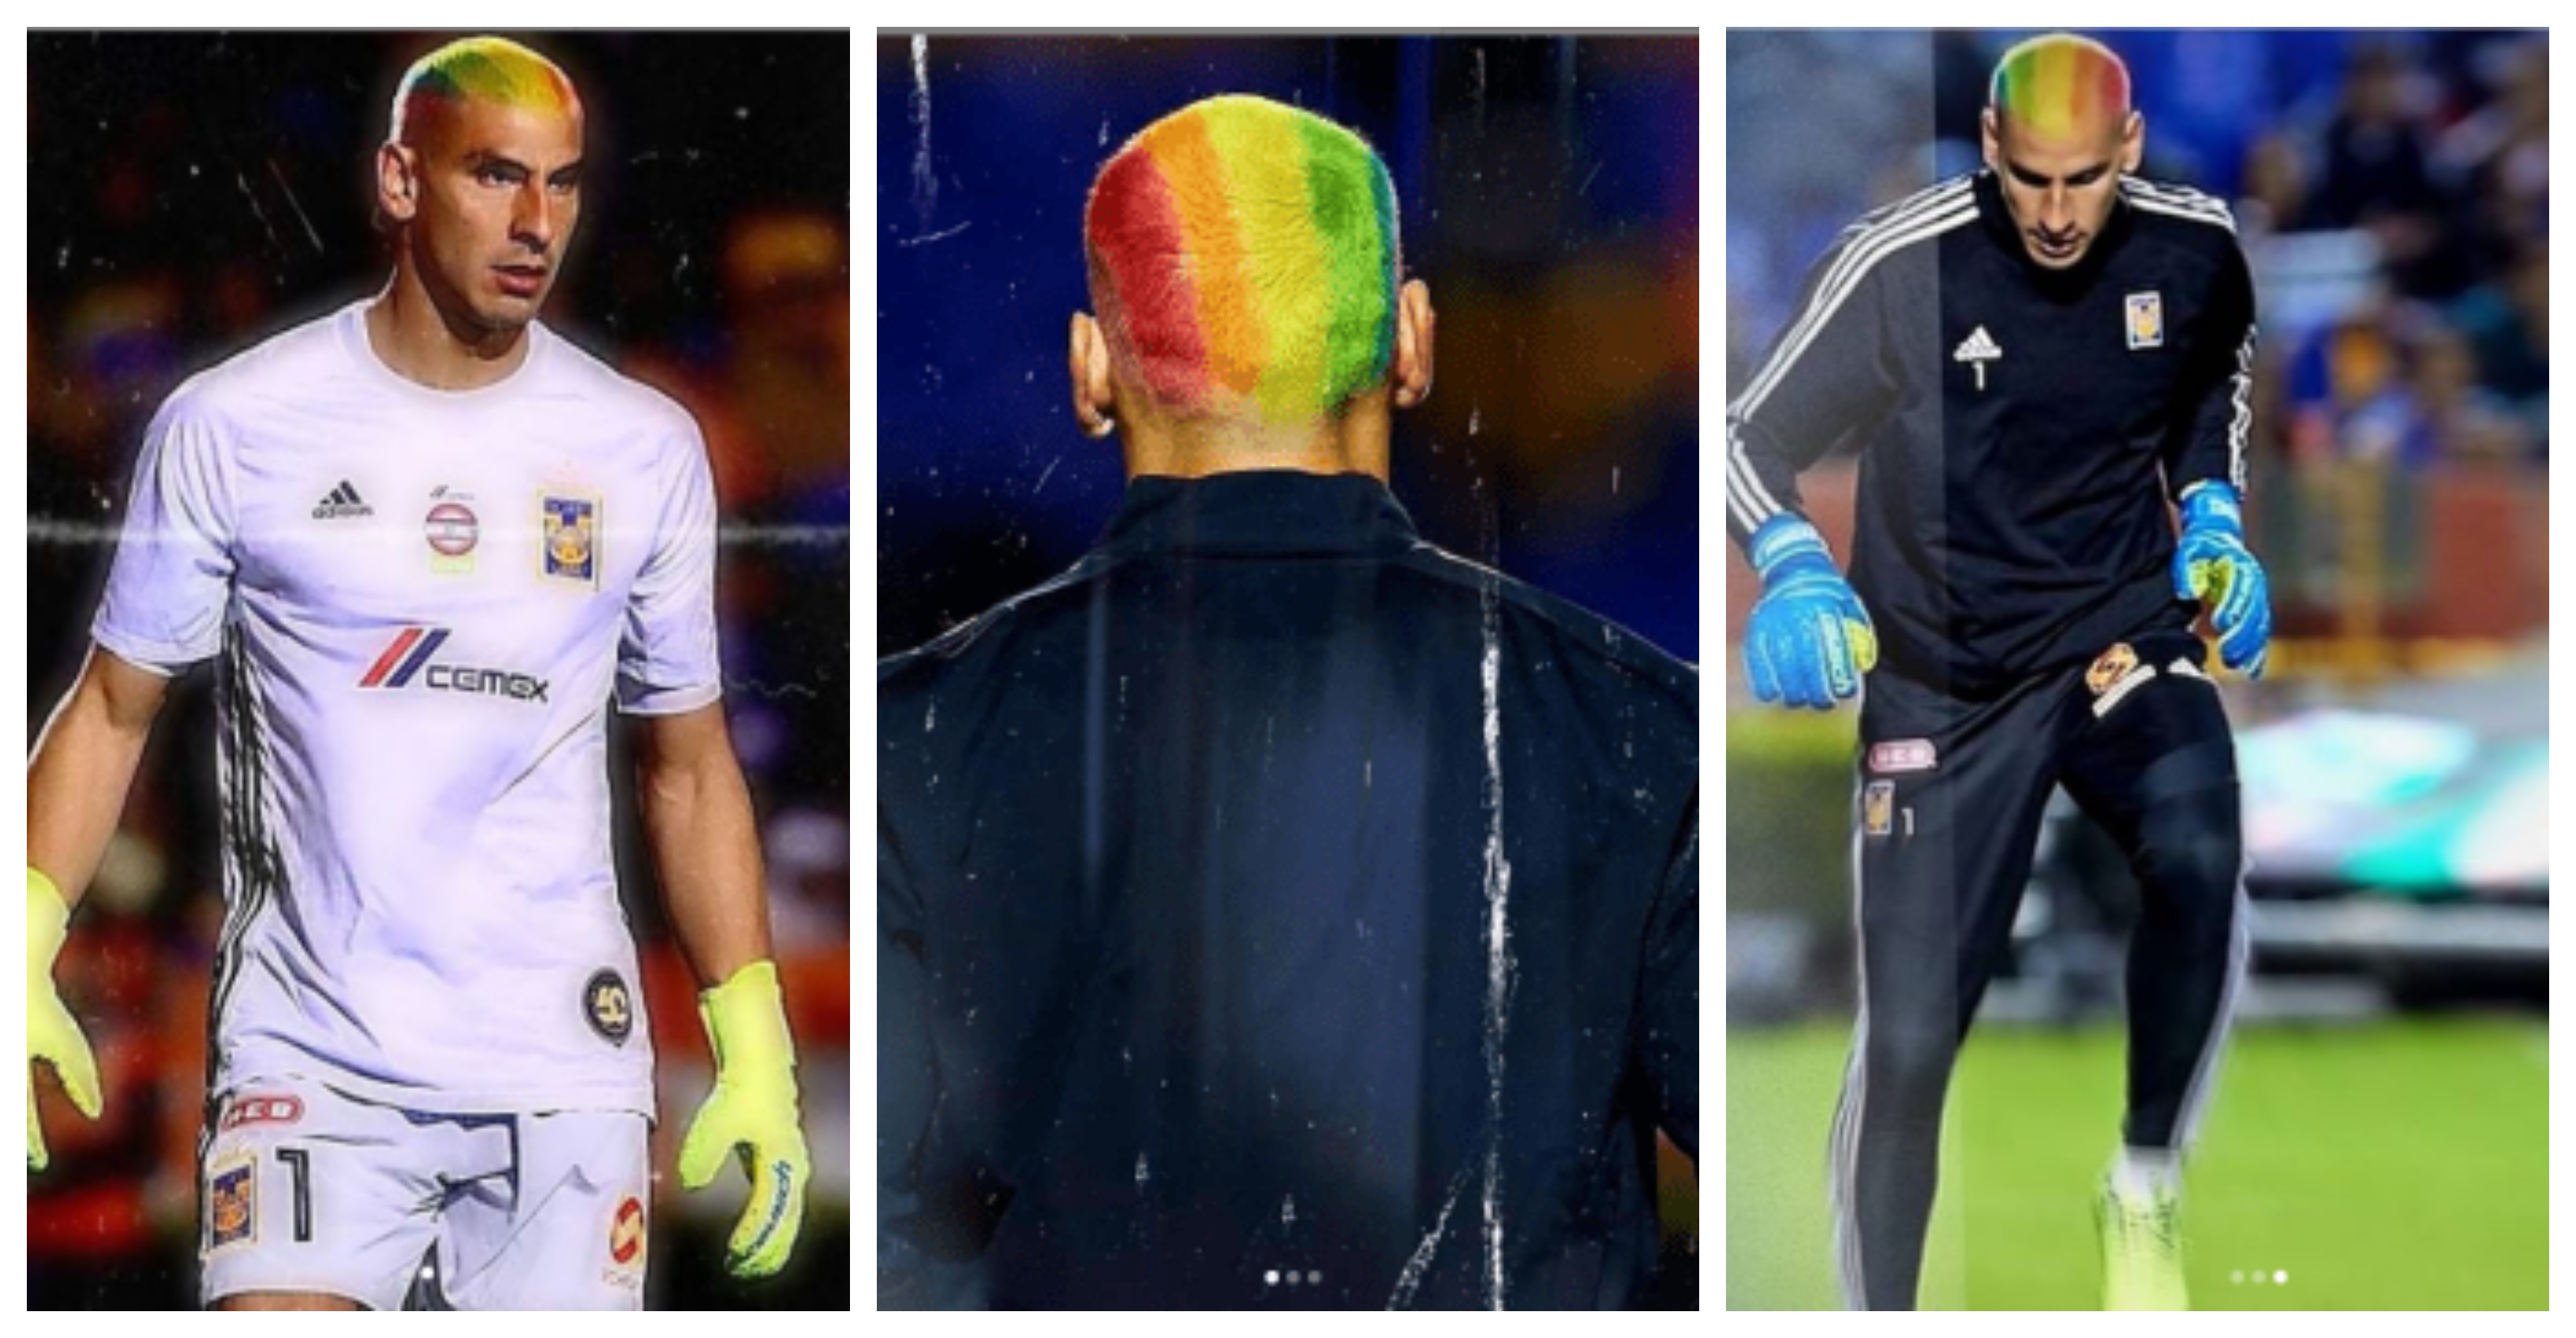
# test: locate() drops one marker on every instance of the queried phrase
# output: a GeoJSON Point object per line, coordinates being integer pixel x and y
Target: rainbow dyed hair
{"type": "Point", "coordinates": [1243, 258]}
{"type": "Point", "coordinates": [479, 69]}
{"type": "Point", "coordinates": [2059, 83]}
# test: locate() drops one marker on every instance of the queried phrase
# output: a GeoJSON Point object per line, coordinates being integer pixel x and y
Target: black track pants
{"type": "Point", "coordinates": [1951, 796]}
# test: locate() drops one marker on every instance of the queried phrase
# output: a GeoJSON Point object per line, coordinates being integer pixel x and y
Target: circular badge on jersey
{"type": "Point", "coordinates": [2112, 666]}
{"type": "Point", "coordinates": [610, 1007]}
{"type": "Point", "coordinates": [452, 529]}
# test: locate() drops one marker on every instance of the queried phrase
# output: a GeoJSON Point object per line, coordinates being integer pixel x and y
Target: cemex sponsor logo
{"type": "Point", "coordinates": [408, 660]}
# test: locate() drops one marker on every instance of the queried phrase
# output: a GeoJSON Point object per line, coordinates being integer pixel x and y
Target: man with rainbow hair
{"type": "Point", "coordinates": [1275, 910]}
{"type": "Point", "coordinates": [431, 543]}
{"type": "Point", "coordinates": [2040, 362]}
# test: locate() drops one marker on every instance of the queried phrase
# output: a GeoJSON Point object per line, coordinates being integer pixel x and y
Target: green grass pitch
{"type": "Point", "coordinates": [2389, 1165]}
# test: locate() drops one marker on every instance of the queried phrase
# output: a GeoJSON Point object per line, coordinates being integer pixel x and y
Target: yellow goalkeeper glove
{"type": "Point", "coordinates": [752, 1113]}
{"type": "Point", "coordinates": [52, 1036]}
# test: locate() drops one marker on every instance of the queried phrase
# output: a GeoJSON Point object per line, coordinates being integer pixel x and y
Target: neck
{"type": "Point", "coordinates": [1351, 442]}
{"type": "Point", "coordinates": [421, 342]}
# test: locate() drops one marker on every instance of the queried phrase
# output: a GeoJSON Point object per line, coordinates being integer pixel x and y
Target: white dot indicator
{"type": "Point", "coordinates": [2237, 1276]}
{"type": "Point", "coordinates": [1271, 1278]}
{"type": "Point", "coordinates": [1315, 1277]}
{"type": "Point", "coordinates": [2281, 1276]}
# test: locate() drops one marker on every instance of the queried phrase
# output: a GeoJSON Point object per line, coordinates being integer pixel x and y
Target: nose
{"type": "Point", "coordinates": [532, 217]}
{"type": "Point", "coordinates": [2056, 211]}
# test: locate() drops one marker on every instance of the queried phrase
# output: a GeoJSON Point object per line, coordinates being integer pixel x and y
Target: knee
{"type": "Point", "coordinates": [2190, 847]}
{"type": "Point", "coordinates": [1911, 1058]}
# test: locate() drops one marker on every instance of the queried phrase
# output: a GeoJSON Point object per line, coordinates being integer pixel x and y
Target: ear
{"type": "Point", "coordinates": [2133, 143]}
{"type": "Point", "coordinates": [1990, 135]}
{"type": "Point", "coordinates": [1417, 330]}
{"type": "Point", "coordinates": [1087, 365]}
{"type": "Point", "coordinates": [398, 182]}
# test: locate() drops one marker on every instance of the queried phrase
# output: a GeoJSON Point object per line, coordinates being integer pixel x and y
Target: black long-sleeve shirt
{"type": "Point", "coordinates": [1189, 866]}
{"type": "Point", "coordinates": [2021, 429]}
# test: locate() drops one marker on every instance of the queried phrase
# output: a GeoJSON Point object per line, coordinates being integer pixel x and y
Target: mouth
{"type": "Point", "coordinates": [2055, 248]}
{"type": "Point", "coordinates": [520, 280]}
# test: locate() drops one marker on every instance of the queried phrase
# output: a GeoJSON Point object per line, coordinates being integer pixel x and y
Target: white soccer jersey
{"type": "Point", "coordinates": [424, 602]}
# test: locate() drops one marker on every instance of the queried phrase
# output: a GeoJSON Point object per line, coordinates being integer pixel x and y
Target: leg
{"type": "Point", "coordinates": [564, 1227]}
{"type": "Point", "coordinates": [286, 1301]}
{"type": "Point", "coordinates": [313, 1200]}
{"type": "Point", "coordinates": [1944, 841]}
{"type": "Point", "coordinates": [2157, 770]}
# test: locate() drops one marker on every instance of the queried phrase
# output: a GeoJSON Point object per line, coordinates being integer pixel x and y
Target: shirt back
{"type": "Point", "coordinates": [1278, 910]}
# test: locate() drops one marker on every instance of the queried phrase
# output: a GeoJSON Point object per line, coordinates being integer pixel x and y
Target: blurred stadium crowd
{"type": "Point", "coordinates": [197, 193]}
{"type": "Point", "coordinates": [2391, 189]}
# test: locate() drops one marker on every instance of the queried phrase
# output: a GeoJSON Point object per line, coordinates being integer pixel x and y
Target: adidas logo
{"type": "Point", "coordinates": [342, 503]}
{"type": "Point", "coordinates": [1978, 349]}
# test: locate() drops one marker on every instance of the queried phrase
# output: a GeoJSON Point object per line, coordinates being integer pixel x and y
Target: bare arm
{"type": "Point", "coordinates": [697, 815]}
{"type": "Point", "coordinates": [83, 766]}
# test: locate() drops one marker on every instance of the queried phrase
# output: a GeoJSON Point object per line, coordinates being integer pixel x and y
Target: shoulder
{"type": "Point", "coordinates": [600, 393]}
{"type": "Point", "coordinates": [284, 366]}
{"type": "Point", "coordinates": [2181, 218]}
{"type": "Point", "coordinates": [1577, 638]}
{"type": "Point", "coordinates": [1925, 214]}
{"type": "Point", "coordinates": [923, 667]}
{"type": "Point", "coordinates": [1943, 197]}
{"type": "Point", "coordinates": [2198, 210]}
{"type": "Point", "coordinates": [2188, 238]}
{"type": "Point", "coordinates": [1894, 233]}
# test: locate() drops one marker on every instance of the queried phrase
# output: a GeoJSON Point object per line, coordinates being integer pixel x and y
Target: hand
{"type": "Point", "coordinates": [2212, 564]}
{"type": "Point", "coordinates": [752, 1114]}
{"type": "Point", "coordinates": [53, 1037]}
{"type": "Point", "coordinates": [1810, 640]}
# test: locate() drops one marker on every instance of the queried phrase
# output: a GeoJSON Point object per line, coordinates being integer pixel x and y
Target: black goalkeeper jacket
{"type": "Point", "coordinates": [1275, 910]}
{"type": "Point", "coordinates": [2020, 429]}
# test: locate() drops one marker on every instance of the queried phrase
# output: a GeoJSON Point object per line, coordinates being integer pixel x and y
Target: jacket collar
{"type": "Point", "coordinates": [1261, 513]}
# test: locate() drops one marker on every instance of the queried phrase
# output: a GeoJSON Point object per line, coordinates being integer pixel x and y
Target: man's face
{"type": "Point", "coordinates": [2060, 187]}
{"type": "Point", "coordinates": [496, 191]}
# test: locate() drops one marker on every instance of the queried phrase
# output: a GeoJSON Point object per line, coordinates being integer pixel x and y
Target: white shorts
{"type": "Point", "coordinates": [304, 1188]}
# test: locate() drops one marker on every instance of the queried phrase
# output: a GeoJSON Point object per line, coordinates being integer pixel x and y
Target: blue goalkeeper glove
{"type": "Point", "coordinates": [52, 1036]}
{"type": "Point", "coordinates": [2212, 564]}
{"type": "Point", "coordinates": [1810, 640]}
